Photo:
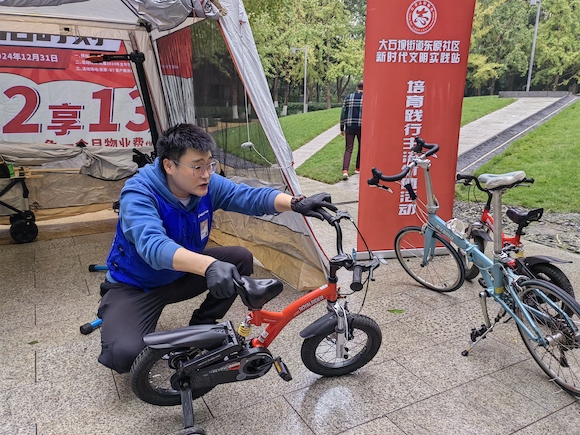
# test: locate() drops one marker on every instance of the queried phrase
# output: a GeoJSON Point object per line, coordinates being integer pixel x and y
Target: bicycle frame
{"type": "Point", "coordinates": [277, 320]}
{"type": "Point", "coordinates": [499, 281]}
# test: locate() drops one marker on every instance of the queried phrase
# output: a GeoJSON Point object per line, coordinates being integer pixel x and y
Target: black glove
{"type": "Point", "coordinates": [220, 277]}
{"type": "Point", "coordinates": [312, 205]}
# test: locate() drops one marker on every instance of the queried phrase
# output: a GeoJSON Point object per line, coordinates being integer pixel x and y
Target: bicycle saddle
{"type": "Point", "coordinates": [257, 292]}
{"type": "Point", "coordinates": [494, 181]}
{"type": "Point", "coordinates": [524, 216]}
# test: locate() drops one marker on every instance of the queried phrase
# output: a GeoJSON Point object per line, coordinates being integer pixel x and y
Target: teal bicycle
{"type": "Point", "coordinates": [547, 318]}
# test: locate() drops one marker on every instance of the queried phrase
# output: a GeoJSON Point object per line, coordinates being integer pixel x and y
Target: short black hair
{"type": "Point", "coordinates": [359, 85]}
{"type": "Point", "coordinates": [176, 140]}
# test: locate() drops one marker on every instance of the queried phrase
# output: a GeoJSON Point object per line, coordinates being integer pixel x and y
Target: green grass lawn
{"type": "Point", "coordinates": [548, 154]}
{"type": "Point", "coordinates": [477, 107]}
{"type": "Point", "coordinates": [326, 164]}
{"type": "Point", "coordinates": [302, 128]}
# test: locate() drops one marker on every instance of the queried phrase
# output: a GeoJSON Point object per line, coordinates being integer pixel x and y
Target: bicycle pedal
{"type": "Point", "coordinates": [481, 282]}
{"type": "Point", "coordinates": [282, 369]}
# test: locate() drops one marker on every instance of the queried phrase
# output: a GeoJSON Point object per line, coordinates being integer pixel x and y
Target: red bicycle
{"type": "Point", "coordinates": [481, 232]}
{"type": "Point", "coordinates": [183, 364]}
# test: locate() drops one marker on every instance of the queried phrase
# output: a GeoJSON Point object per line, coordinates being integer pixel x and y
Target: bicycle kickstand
{"type": "Point", "coordinates": [189, 426]}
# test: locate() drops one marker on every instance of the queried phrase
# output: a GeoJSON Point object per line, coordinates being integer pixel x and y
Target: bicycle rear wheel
{"type": "Point", "coordinates": [443, 272]}
{"type": "Point", "coordinates": [151, 374]}
{"type": "Point", "coordinates": [549, 272]}
{"type": "Point", "coordinates": [550, 309]}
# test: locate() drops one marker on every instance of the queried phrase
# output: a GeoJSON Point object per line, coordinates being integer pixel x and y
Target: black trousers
{"type": "Point", "coordinates": [129, 313]}
{"type": "Point", "coordinates": [349, 135]}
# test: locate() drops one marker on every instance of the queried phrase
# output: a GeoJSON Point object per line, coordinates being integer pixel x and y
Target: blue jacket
{"type": "Point", "coordinates": [153, 224]}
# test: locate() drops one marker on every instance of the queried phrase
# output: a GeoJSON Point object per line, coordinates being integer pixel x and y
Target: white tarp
{"type": "Point", "coordinates": [122, 20]}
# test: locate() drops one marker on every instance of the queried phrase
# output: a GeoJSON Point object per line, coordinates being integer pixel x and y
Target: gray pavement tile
{"type": "Point", "coordinates": [528, 379]}
{"type": "Point", "coordinates": [563, 422]}
{"type": "Point", "coordinates": [120, 417]}
{"type": "Point", "coordinates": [17, 370]}
{"type": "Point", "coordinates": [484, 406]}
{"type": "Point", "coordinates": [16, 313]}
{"type": "Point", "coordinates": [334, 405]}
{"type": "Point", "coordinates": [379, 426]}
{"type": "Point", "coordinates": [443, 367]}
{"type": "Point", "coordinates": [8, 428]}
{"type": "Point", "coordinates": [274, 416]}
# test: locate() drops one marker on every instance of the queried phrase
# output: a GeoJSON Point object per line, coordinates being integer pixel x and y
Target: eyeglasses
{"type": "Point", "coordinates": [199, 170]}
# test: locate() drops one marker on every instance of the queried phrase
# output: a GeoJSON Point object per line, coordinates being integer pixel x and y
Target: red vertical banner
{"type": "Point", "coordinates": [414, 79]}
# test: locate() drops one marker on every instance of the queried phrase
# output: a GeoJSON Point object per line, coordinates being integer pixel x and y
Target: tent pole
{"type": "Point", "coordinates": [137, 58]}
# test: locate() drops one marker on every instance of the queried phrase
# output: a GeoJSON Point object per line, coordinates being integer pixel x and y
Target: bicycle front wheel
{"type": "Point", "coordinates": [557, 315]}
{"type": "Point", "coordinates": [364, 339]}
{"type": "Point", "coordinates": [443, 272]}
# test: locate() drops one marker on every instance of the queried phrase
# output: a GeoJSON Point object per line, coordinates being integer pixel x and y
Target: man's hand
{"type": "Point", "coordinates": [220, 277]}
{"type": "Point", "coordinates": [313, 205]}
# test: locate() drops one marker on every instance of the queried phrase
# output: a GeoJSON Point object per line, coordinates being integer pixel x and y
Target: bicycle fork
{"type": "Point", "coordinates": [341, 329]}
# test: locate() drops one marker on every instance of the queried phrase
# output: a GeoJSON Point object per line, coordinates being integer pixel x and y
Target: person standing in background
{"type": "Point", "coordinates": [350, 127]}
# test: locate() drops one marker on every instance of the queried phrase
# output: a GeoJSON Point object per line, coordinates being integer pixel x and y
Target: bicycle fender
{"type": "Point", "coordinates": [483, 234]}
{"type": "Point", "coordinates": [539, 259]}
{"type": "Point", "coordinates": [325, 324]}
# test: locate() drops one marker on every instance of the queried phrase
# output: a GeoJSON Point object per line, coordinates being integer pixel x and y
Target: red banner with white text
{"type": "Point", "coordinates": [51, 93]}
{"type": "Point", "coordinates": [414, 78]}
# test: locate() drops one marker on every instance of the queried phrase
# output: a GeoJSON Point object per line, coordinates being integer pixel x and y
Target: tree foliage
{"type": "Point", "coordinates": [501, 45]}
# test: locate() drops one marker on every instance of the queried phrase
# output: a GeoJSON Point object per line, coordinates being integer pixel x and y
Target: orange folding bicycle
{"type": "Point", "coordinates": [180, 365]}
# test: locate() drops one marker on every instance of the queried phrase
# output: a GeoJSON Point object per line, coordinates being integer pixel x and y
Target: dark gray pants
{"type": "Point", "coordinates": [129, 313]}
{"type": "Point", "coordinates": [349, 135]}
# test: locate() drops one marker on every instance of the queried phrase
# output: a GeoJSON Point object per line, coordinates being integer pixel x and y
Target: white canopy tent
{"type": "Point", "coordinates": [285, 244]}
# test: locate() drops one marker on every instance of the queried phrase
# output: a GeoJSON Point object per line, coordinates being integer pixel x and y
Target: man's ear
{"type": "Point", "coordinates": [168, 165]}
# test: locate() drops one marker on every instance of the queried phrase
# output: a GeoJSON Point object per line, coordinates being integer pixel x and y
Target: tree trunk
{"type": "Point", "coordinates": [284, 111]}
{"type": "Point", "coordinates": [492, 87]}
{"type": "Point", "coordinates": [275, 90]}
{"type": "Point", "coordinates": [328, 96]}
{"type": "Point", "coordinates": [234, 96]}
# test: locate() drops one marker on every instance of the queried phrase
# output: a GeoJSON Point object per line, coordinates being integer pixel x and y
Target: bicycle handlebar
{"type": "Point", "coordinates": [420, 144]}
{"type": "Point", "coordinates": [344, 260]}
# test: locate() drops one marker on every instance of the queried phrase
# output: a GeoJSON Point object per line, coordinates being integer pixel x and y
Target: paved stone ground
{"type": "Point", "coordinates": [557, 230]}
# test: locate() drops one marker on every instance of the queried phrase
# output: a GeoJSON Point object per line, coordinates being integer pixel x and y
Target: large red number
{"type": "Point", "coordinates": [106, 111]}
{"type": "Point", "coordinates": [134, 94]}
{"type": "Point", "coordinates": [31, 102]}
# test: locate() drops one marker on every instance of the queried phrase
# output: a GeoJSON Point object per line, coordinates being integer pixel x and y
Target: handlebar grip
{"type": "Point", "coordinates": [356, 284]}
{"type": "Point", "coordinates": [420, 144]}
{"type": "Point", "coordinates": [468, 177]}
{"type": "Point", "coordinates": [378, 175]}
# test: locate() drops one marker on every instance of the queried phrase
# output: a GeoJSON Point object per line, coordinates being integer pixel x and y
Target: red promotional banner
{"type": "Point", "coordinates": [414, 78]}
{"type": "Point", "coordinates": [50, 92]}
{"type": "Point", "coordinates": [175, 54]}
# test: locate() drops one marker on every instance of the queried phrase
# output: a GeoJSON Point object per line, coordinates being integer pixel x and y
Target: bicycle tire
{"type": "Point", "coordinates": [444, 272]}
{"type": "Point", "coordinates": [552, 274]}
{"type": "Point", "coordinates": [319, 352]}
{"type": "Point", "coordinates": [471, 270]}
{"type": "Point", "coordinates": [150, 379]}
{"type": "Point", "coordinates": [560, 358]}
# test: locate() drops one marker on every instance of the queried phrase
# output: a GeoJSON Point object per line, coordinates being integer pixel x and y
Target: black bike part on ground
{"type": "Point", "coordinates": [151, 378]}
{"type": "Point", "coordinates": [409, 250]}
{"type": "Point", "coordinates": [364, 340]}
{"type": "Point", "coordinates": [552, 274]}
{"type": "Point", "coordinates": [471, 271]}
{"type": "Point", "coordinates": [560, 358]}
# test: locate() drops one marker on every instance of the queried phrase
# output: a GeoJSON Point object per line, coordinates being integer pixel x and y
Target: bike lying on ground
{"type": "Point", "coordinates": [478, 232]}
{"type": "Point", "coordinates": [181, 365]}
{"type": "Point", "coordinates": [547, 318]}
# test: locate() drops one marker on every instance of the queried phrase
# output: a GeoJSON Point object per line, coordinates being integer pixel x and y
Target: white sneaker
{"type": "Point", "coordinates": [345, 175]}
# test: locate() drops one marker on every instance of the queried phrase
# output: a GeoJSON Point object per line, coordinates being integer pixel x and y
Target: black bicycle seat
{"type": "Point", "coordinates": [523, 216]}
{"type": "Point", "coordinates": [257, 292]}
